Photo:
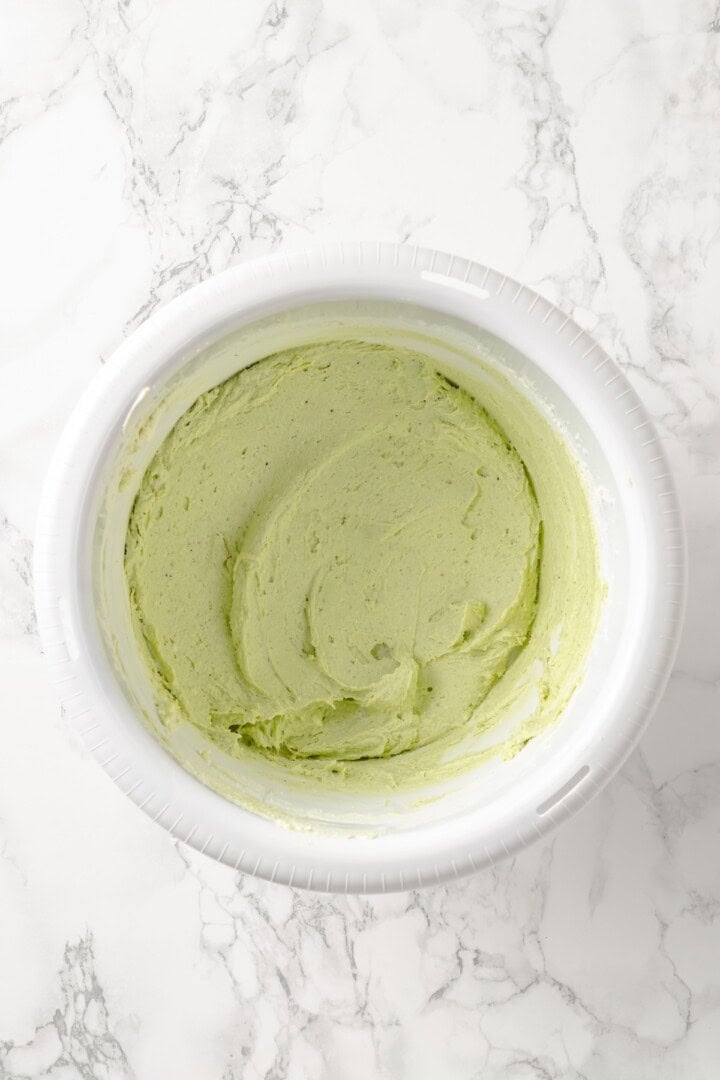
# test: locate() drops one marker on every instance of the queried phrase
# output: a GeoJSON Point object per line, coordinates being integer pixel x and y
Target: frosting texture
{"type": "Point", "coordinates": [334, 560]}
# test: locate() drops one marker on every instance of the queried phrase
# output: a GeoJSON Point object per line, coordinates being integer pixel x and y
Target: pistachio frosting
{"type": "Point", "coordinates": [339, 560]}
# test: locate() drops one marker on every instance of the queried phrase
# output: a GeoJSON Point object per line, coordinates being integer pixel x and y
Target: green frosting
{"type": "Point", "coordinates": [337, 560]}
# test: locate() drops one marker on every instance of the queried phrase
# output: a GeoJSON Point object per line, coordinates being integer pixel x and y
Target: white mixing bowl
{"type": "Point", "coordinates": [460, 308]}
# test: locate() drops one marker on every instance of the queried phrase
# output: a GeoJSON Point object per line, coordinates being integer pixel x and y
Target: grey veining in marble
{"type": "Point", "coordinates": [145, 144]}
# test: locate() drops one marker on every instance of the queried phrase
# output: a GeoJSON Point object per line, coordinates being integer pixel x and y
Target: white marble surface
{"type": "Point", "coordinates": [145, 144]}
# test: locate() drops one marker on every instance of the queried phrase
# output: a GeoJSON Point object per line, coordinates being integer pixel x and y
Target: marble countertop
{"type": "Point", "coordinates": [145, 144]}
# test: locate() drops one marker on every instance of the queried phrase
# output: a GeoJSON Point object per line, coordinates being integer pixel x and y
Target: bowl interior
{"type": "Point", "coordinates": [476, 355]}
